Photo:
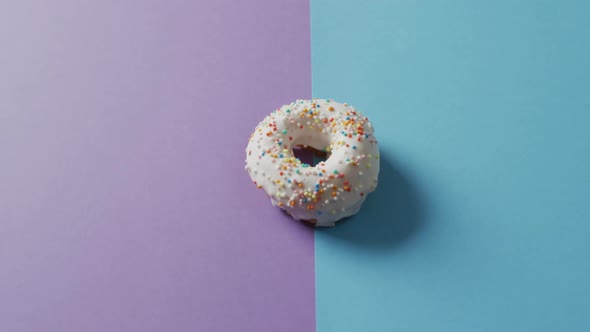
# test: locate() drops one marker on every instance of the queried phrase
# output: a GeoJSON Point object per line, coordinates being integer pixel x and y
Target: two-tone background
{"type": "Point", "coordinates": [124, 205]}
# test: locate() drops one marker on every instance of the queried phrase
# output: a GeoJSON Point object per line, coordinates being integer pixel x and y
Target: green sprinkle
{"type": "Point", "coordinates": [335, 171]}
{"type": "Point", "coordinates": [284, 131]}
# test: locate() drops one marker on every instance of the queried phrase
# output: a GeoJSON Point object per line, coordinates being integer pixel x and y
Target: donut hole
{"type": "Point", "coordinates": [309, 155]}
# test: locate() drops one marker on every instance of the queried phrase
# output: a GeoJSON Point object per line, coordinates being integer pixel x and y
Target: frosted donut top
{"type": "Point", "coordinates": [330, 190]}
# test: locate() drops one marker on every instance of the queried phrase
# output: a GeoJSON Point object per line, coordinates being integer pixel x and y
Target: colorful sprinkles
{"type": "Point", "coordinates": [332, 189]}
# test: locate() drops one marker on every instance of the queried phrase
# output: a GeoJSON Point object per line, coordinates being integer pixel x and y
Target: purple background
{"type": "Point", "coordinates": [124, 205]}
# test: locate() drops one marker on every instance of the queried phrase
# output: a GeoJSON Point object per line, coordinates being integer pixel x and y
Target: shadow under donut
{"type": "Point", "coordinates": [389, 216]}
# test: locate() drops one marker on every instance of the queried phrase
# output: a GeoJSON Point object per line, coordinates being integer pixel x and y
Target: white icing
{"type": "Point", "coordinates": [331, 190]}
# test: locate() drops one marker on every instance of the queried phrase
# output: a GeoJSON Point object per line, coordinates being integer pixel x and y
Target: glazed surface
{"type": "Point", "coordinates": [332, 189]}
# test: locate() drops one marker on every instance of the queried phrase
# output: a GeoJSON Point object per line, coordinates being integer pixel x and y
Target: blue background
{"type": "Point", "coordinates": [481, 220]}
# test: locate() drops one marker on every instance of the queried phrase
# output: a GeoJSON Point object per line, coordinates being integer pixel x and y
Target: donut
{"type": "Point", "coordinates": [331, 190]}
